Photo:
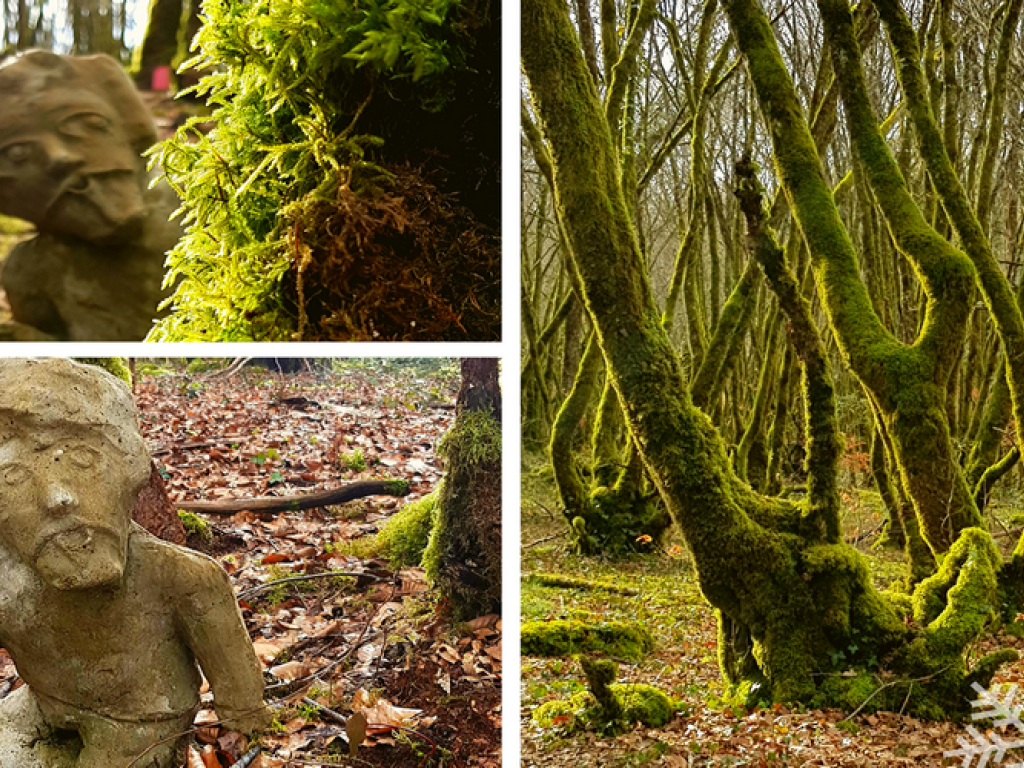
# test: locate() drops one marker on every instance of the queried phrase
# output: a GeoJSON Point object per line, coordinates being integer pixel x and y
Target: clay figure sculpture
{"type": "Point", "coordinates": [72, 131]}
{"type": "Point", "coordinates": [107, 625]}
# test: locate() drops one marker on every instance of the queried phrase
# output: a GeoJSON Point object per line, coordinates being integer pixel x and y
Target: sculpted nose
{"type": "Point", "coordinates": [60, 500]}
{"type": "Point", "coordinates": [62, 160]}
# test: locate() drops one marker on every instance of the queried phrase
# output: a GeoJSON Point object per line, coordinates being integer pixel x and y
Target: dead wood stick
{"type": "Point", "coordinates": [163, 450]}
{"type": "Point", "coordinates": [305, 577]}
{"type": "Point", "coordinates": [348, 492]}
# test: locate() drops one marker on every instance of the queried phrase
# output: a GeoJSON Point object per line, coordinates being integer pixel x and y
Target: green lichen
{"type": "Point", "coordinates": [569, 637]}
{"type": "Point", "coordinates": [195, 525]}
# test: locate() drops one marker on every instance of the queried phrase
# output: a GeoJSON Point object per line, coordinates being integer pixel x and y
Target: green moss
{"type": "Point", "coordinates": [404, 536]}
{"type": "Point", "coordinates": [463, 554]}
{"type": "Point", "coordinates": [564, 581]}
{"type": "Point", "coordinates": [567, 715]}
{"type": "Point", "coordinates": [645, 704]}
{"type": "Point", "coordinates": [961, 598]}
{"type": "Point", "coordinates": [397, 487]}
{"type": "Point", "coordinates": [611, 708]}
{"type": "Point", "coordinates": [354, 461]}
{"type": "Point", "coordinates": [150, 369]}
{"type": "Point", "coordinates": [476, 437]}
{"type": "Point", "coordinates": [566, 638]}
{"type": "Point", "coordinates": [204, 365]}
{"type": "Point", "coordinates": [195, 525]}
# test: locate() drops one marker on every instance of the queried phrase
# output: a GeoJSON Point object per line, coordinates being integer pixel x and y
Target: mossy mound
{"type": "Point", "coordinates": [195, 526]}
{"type": "Point", "coordinates": [564, 581]}
{"type": "Point", "coordinates": [404, 536]}
{"type": "Point", "coordinates": [565, 638]}
{"type": "Point", "coordinates": [640, 703]}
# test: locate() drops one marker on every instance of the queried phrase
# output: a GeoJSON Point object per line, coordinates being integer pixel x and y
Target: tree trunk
{"type": "Point", "coordinates": [463, 556]}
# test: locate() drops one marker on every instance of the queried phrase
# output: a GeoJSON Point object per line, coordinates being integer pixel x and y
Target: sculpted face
{"type": "Point", "coordinates": [71, 131]}
{"type": "Point", "coordinates": [72, 463]}
{"type": "Point", "coordinates": [57, 509]}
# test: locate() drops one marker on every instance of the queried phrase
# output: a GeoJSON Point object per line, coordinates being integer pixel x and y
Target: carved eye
{"type": "Point", "coordinates": [17, 154]}
{"type": "Point", "coordinates": [81, 456]}
{"type": "Point", "coordinates": [84, 124]}
{"type": "Point", "coordinates": [13, 474]}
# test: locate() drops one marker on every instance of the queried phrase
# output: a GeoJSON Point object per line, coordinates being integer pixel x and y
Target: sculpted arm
{"type": "Point", "coordinates": [214, 630]}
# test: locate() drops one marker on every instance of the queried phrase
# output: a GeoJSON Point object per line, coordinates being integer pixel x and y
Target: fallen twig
{"type": "Point", "coordinates": [348, 492]}
{"type": "Point", "coordinates": [546, 538]}
{"type": "Point", "coordinates": [306, 577]}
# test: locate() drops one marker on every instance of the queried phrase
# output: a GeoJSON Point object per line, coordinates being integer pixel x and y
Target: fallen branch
{"type": "Point", "coordinates": [163, 450]}
{"type": "Point", "coordinates": [541, 541]}
{"type": "Point", "coordinates": [348, 492]}
{"type": "Point", "coordinates": [306, 577]}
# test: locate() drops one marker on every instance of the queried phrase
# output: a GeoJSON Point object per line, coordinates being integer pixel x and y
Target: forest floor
{"type": "Point", "coordinates": [331, 646]}
{"type": "Point", "coordinates": [706, 731]}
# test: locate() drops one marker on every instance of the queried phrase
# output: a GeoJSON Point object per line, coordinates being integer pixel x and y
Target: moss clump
{"type": "Point", "coordinates": [397, 487]}
{"type": "Point", "coordinates": [608, 707]}
{"type": "Point", "coordinates": [404, 536]}
{"type": "Point", "coordinates": [354, 461]}
{"type": "Point", "coordinates": [564, 581]}
{"type": "Point", "coordinates": [150, 369]}
{"type": "Point", "coordinates": [565, 638]}
{"type": "Point", "coordinates": [335, 163]}
{"type": "Point", "coordinates": [642, 703]}
{"type": "Point", "coordinates": [195, 526]}
{"type": "Point", "coordinates": [476, 438]}
{"type": "Point", "coordinates": [567, 714]}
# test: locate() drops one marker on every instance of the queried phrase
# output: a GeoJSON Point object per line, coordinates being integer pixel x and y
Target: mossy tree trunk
{"type": "Point", "coordinates": [463, 556]}
{"type": "Point", "coordinates": [793, 600]}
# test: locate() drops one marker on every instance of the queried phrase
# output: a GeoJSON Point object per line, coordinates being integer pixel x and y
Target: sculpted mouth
{"type": "Point", "coordinates": [74, 538]}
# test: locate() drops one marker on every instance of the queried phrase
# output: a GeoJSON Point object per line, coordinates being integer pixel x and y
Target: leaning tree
{"type": "Point", "coordinates": [798, 616]}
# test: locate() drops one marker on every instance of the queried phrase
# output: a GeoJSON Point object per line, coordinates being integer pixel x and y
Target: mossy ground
{"type": "Point", "coordinates": [684, 662]}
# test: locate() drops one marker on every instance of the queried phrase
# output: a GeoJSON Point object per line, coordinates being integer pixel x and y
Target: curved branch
{"type": "Point", "coordinates": [348, 492]}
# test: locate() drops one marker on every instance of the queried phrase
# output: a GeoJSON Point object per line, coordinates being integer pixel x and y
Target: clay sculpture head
{"type": "Point", "coordinates": [107, 625]}
{"type": "Point", "coordinates": [71, 134]}
{"type": "Point", "coordinates": [62, 429]}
